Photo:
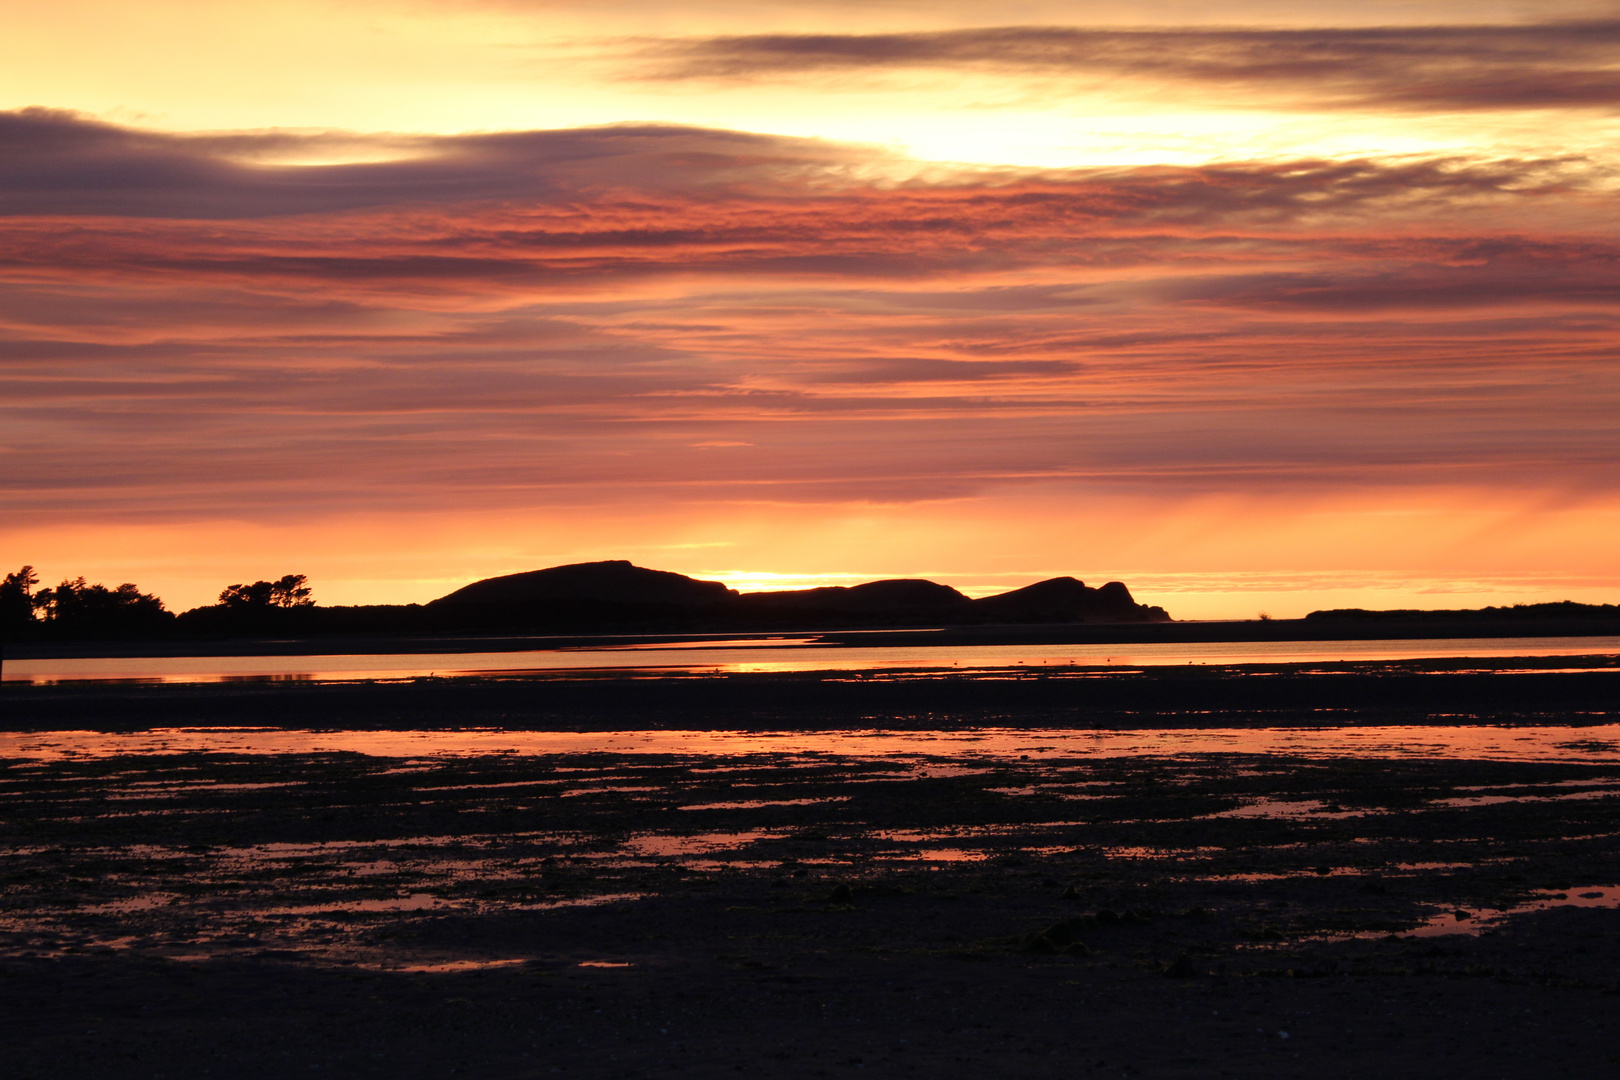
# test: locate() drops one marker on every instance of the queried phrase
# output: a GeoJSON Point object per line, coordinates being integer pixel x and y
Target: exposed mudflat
{"type": "Point", "coordinates": [1565, 690]}
{"type": "Point", "coordinates": [809, 911]}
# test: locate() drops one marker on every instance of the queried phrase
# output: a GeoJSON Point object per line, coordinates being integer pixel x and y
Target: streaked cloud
{"type": "Point", "coordinates": [1532, 66]}
{"type": "Point", "coordinates": [55, 162]}
{"type": "Point", "coordinates": [614, 314]}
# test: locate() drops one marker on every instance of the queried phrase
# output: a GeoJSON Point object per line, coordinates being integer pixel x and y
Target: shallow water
{"type": "Point", "coordinates": [231, 842]}
{"type": "Point", "coordinates": [1476, 921]}
{"type": "Point", "coordinates": [780, 654]}
{"type": "Point", "coordinates": [1594, 743]}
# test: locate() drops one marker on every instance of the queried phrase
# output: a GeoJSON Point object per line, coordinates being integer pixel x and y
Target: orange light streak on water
{"type": "Point", "coordinates": [1594, 743]}
{"type": "Point", "coordinates": [786, 655]}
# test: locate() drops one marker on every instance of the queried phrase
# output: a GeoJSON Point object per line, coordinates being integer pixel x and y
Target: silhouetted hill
{"type": "Point", "coordinates": [616, 597]}
{"type": "Point", "coordinates": [584, 597]}
{"type": "Point", "coordinates": [587, 596]}
{"type": "Point", "coordinates": [1064, 599]}
{"type": "Point", "coordinates": [614, 581]}
{"type": "Point", "coordinates": [899, 594]}
{"type": "Point", "coordinates": [1561, 610]}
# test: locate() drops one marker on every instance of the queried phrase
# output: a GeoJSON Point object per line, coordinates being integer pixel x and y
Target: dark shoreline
{"type": "Point", "coordinates": [1195, 696]}
{"type": "Point", "coordinates": [1358, 629]}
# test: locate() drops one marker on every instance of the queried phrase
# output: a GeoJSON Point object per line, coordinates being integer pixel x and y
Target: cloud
{"type": "Point", "coordinates": [597, 187]}
{"type": "Point", "coordinates": [191, 325]}
{"type": "Point", "coordinates": [215, 235]}
{"type": "Point", "coordinates": [1551, 65]}
{"type": "Point", "coordinates": [54, 162]}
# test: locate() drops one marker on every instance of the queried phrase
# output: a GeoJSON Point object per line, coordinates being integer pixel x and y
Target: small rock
{"type": "Point", "coordinates": [1181, 968]}
{"type": "Point", "coordinates": [1057, 938]}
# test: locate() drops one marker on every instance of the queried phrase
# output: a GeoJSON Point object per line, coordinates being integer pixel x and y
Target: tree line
{"type": "Point", "coordinates": [78, 609]}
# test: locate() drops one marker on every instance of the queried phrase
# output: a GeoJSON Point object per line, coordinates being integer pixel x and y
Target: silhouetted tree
{"type": "Point", "coordinates": [78, 609]}
{"type": "Point", "coordinates": [17, 601]}
{"type": "Point", "coordinates": [289, 592]}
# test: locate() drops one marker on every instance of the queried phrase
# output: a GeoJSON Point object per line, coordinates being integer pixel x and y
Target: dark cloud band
{"type": "Point", "coordinates": [1572, 64]}
{"type": "Point", "coordinates": [625, 184]}
{"type": "Point", "coordinates": [54, 162]}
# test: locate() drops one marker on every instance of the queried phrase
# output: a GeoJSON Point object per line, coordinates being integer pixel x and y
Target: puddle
{"type": "Point", "coordinates": [940, 847]}
{"type": "Point", "coordinates": [1495, 800]}
{"type": "Point", "coordinates": [1400, 868]}
{"type": "Point", "coordinates": [1286, 808]}
{"type": "Point", "coordinates": [455, 965]}
{"type": "Point", "coordinates": [282, 850]}
{"type": "Point", "coordinates": [1055, 791]}
{"type": "Point", "coordinates": [759, 804]}
{"type": "Point", "coordinates": [1587, 782]}
{"type": "Point", "coordinates": [149, 902]}
{"type": "Point", "coordinates": [605, 963]}
{"type": "Point", "coordinates": [477, 787]}
{"type": "Point", "coordinates": [373, 869]}
{"type": "Point", "coordinates": [143, 789]}
{"type": "Point", "coordinates": [923, 836]}
{"type": "Point", "coordinates": [972, 750]}
{"type": "Point", "coordinates": [702, 844]}
{"type": "Point", "coordinates": [413, 902]}
{"type": "Point", "coordinates": [1160, 853]}
{"type": "Point", "coordinates": [582, 901]}
{"type": "Point", "coordinates": [575, 792]}
{"type": "Point", "coordinates": [1476, 921]}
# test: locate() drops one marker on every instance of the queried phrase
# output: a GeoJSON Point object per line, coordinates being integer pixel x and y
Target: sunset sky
{"type": "Point", "coordinates": [1254, 306]}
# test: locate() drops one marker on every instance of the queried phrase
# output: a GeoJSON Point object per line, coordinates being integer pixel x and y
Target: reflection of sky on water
{"type": "Point", "coordinates": [1476, 921]}
{"type": "Point", "coordinates": [735, 656]}
{"type": "Point", "coordinates": [341, 897]}
{"type": "Point", "coordinates": [1595, 743]}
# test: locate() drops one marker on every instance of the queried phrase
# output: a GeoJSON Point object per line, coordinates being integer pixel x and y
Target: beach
{"type": "Point", "coordinates": [1245, 872]}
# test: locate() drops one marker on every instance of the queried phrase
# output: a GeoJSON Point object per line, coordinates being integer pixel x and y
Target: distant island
{"type": "Point", "coordinates": [612, 596]}
{"type": "Point", "coordinates": [618, 591]}
{"type": "Point", "coordinates": [616, 599]}
{"type": "Point", "coordinates": [1556, 610]}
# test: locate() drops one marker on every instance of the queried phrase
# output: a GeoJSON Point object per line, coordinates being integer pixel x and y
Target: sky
{"type": "Point", "coordinates": [1258, 306]}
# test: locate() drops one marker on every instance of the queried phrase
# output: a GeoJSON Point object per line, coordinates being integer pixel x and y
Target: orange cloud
{"type": "Point", "coordinates": [626, 326]}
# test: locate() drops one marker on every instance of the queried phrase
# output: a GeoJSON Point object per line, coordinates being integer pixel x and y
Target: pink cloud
{"type": "Point", "coordinates": [660, 314]}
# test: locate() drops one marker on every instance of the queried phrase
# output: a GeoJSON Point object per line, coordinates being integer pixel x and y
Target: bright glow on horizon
{"type": "Point", "coordinates": [1232, 559]}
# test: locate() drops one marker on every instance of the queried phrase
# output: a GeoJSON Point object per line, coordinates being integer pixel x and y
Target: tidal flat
{"type": "Point", "coordinates": [1331, 888]}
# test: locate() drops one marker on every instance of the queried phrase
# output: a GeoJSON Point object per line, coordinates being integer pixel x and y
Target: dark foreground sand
{"type": "Point", "coordinates": [828, 914]}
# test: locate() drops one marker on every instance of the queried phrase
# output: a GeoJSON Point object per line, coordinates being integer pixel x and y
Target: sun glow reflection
{"type": "Point", "coordinates": [1599, 743]}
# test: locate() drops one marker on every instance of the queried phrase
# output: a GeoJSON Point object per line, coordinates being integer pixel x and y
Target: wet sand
{"type": "Point", "coordinates": [1170, 890]}
{"type": "Point", "coordinates": [1459, 690]}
